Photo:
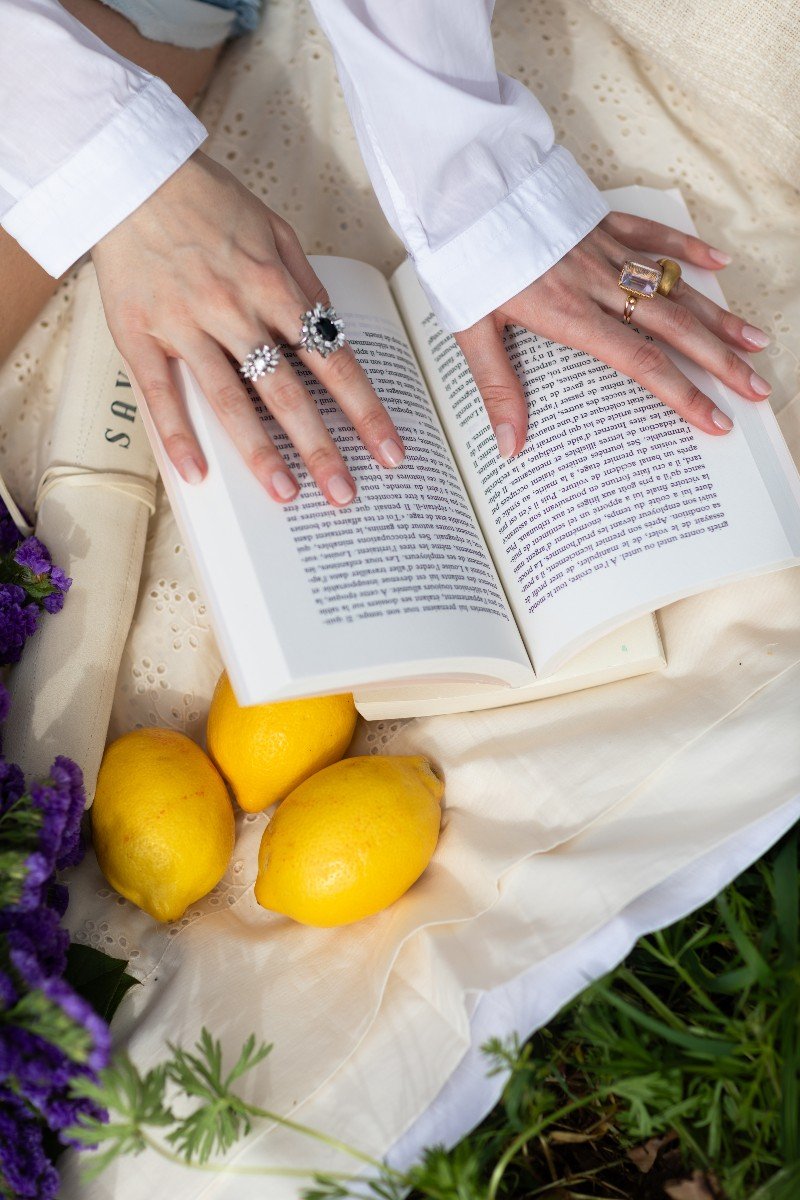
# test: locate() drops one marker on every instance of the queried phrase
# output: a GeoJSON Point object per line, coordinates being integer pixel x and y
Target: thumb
{"type": "Point", "coordinates": [498, 383]}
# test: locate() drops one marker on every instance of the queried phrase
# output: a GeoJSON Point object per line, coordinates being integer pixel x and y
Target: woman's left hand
{"type": "Point", "coordinates": [579, 303]}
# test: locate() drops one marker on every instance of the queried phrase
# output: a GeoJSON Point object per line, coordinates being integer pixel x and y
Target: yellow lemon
{"type": "Point", "coordinates": [162, 821]}
{"type": "Point", "coordinates": [267, 749]}
{"type": "Point", "coordinates": [350, 840]}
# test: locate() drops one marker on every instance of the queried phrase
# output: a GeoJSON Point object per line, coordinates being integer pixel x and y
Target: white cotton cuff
{"type": "Point", "coordinates": [514, 243]}
{"type": "Point", "coordinates": [67, 213]}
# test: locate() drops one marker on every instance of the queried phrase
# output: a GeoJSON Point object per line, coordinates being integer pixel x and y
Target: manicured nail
{"type": "Point", "coordinates": [506, 436]}
{"type": "Point", "coordinates": [721, 420]}
{"type": "Point", "coordinates": [719, 256]}
{"type": "Point", "coordinates": [191, 471]}
{"type": "Point", "coordinates": [756, 337]}
{"type": "Point", "coordinates": [341, 490]}
{"type": "Point", "coordinates": [759, 385]}
{"type": "Point", "coordinates": [284, 485]}
{"type": "Point", "coordinates": [391, 452]}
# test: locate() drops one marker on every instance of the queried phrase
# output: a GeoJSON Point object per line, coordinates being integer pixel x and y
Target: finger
{"type": "Point", "coordinates": [498, 383]}
{"type": "Point", "coordinates": [340, 373]}
{"type": "Point", "coordinates": [283, 392]}
{"type": "Point", "coordinates": [647, 364]}
{"type": "Point", "coordinates": [148, 364]}
{"type": "Point", "coordinates": [227, 395]}
{"type": "Point", "coordinates": [676, 325]}
{"type": "Point", "coordinates": [662, 240]}
{"type": "Point", "coordinates": [297, 414]}
{"type": "Point", "coordinates": [726, 325]}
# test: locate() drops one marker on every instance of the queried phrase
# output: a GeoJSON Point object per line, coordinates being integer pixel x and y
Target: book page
{"type": "Point", "coordinates": [307, 598]}
{"type": "Point", "coordinates": [615, 506]}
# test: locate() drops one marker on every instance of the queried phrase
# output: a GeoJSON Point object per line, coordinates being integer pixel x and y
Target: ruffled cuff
{"type": "Point", "coordinates": [67, 213]}
{"type": "Point", "coordinates": [514, 243]}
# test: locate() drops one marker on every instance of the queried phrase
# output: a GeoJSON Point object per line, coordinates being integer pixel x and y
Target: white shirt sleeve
{"type": "Point", "coordinates": [85, 136]}
{"type": "Point", "coordinates": [463, 159]}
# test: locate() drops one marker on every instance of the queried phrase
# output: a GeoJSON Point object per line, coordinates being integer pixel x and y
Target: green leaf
{"type": "Point", "coordinates": [750, 953]}
{"type": "Point", "coordinates": [250, 1056]}
{"type": "Point", "coordinates": [223, 1117]}
{"type": "Point", "coordinates": [693, 1044]}
{"type": "Point", "coordinates": [787, 899]}
{"type": "Point", "coordinates": [99, 978]}
{"type": "Point", "coordinates": [785, 1185]}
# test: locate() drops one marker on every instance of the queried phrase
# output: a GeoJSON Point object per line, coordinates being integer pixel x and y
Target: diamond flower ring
{"type": "Point", "coordinates": [321, 330]}
{"type": "Point", "coordinates": [259, 362]}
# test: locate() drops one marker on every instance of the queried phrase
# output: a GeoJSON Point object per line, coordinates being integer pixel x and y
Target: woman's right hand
{"type": "Point", "coordinates": [204, 272]}
{"type": "Point", "coordinates": [579, 303]}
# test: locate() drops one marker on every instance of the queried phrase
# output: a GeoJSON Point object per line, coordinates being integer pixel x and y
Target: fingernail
{"type": "Point", "coordinates": [340, 489]}
{"type": "Point", "coordinates": [284, 485]}
{"type": "Point", "coordinates": [391, 452]}
{"type": "Point", "coordinates": [755, 336]}
{"type": "Point", "coordinates": [721, 420]}
{"type": "Point", "coordinates": [506, 436]}
{"type": "Point", "coordinates": [719, 256]}
{"type": "Point", "coordinates": [759, 385]}
{"type": "Point", "coordinates": [191, 471]}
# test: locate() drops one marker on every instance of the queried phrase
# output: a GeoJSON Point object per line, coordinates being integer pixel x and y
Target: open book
{"type": "Point", "coordinates": [461, 581]}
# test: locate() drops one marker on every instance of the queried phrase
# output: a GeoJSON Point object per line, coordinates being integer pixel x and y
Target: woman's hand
{"type": "Point", "coordinates": [203, 271]}
{"type": "Point", "coordinates": [579, 303]}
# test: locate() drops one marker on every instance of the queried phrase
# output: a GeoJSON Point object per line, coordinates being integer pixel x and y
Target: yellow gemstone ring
{"type": "Point", "coordinates": [670, 274]}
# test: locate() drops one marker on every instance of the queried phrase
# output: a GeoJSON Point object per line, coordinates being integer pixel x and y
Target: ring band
{"type": "Point", "coordinates": [259, 362]}
{"type": "Point", "coordinates": [630, 305]}
{"type": "Point", "coordinates": [321, 330]}
{"type": "Point", "coordinates": [670, 274]}
{"type": "Point", "coordinates": [640, 282]}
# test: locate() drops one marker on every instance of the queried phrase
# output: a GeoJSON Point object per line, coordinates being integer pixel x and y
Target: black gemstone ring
{"type": "Point", "coordinates": [321, 330]}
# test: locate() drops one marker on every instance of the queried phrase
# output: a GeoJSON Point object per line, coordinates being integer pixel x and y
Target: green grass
{"type": "Point", "coordinates": [694, 1038]}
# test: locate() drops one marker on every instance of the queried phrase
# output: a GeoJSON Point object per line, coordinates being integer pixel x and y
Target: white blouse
{"type": "Point", "coordinates": [462, 159]}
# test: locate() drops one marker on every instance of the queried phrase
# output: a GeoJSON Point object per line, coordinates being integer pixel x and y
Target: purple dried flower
{"type": "Point", "coordinates": [60, 579]}
{"type": "Point", "coordinates": [68, 777]}
{"type": "Point", "coordinates": [12, 784]}
{"type": "Point", "coordinates": [17, 621]}
{"type": "Point", "coordinates": [58, 898]}
{"type": "Point", "coordinates": [23, 958]}
{"type": "Point", "coordinates": [53, 603]}
{"type": "Point", "coordinates": [34, 555]}
{"type": "Point", "coordinates": [49, 1035]}
{"type": "Point", "coordinates": [38, 939]}
{"type": "Point", "coordinates": [25, 1169]}
{"type": "Point", "coordinates": [82, 1013]}
{"type": "Point", "coordinates": [43, 1073]}
{"type": "Point", "coordinates": [38, 869]}
{"type": "Point", "coordinates": [8, 992]}
{"type": "Point", "coordinates": [10, 536]}
{"type": "Point", "coordinates": [60, 799]}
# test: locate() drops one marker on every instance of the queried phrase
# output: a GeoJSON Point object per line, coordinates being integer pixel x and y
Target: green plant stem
{"type": "Point", "coordinates": [334, 1143]}
{"type": "Point", "coordinates": [626, 975]}
{"type": "Point", "coordinates": [224, 1168]}
{"type": "Point", "coordinates": [532, 1131]}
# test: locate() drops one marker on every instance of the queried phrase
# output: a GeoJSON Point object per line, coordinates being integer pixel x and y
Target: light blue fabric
{"type": "Point", "coordinates": [193, 24]}
{"type": "Point", "coordinates": [248, 13]}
